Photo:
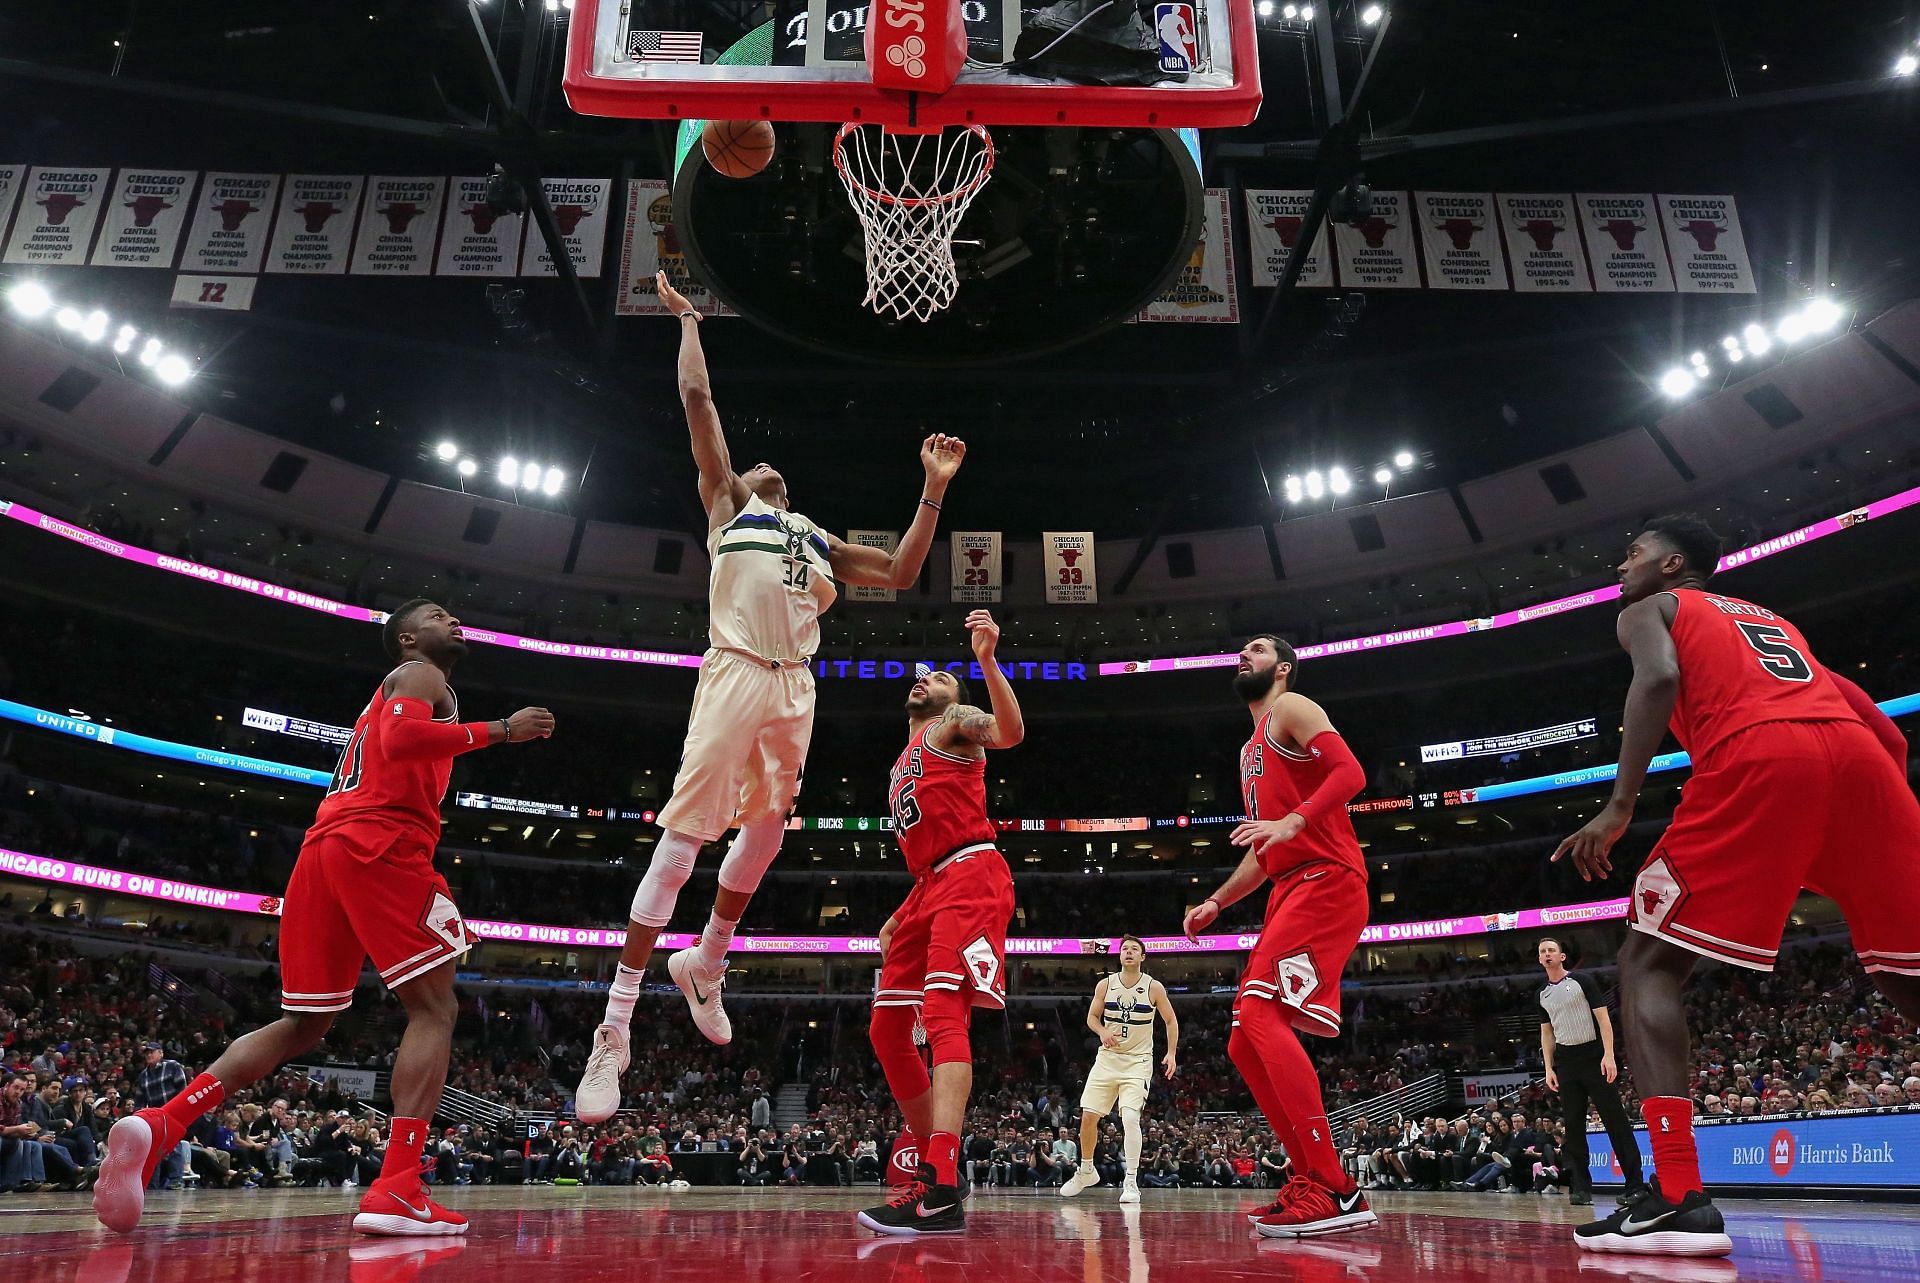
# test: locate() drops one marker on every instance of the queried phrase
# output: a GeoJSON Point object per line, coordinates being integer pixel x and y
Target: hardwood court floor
{"type": "Point", "coordinates": [548, 1235]}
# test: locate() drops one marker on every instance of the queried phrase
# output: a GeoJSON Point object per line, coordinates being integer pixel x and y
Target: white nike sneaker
{"type": "Point", "coordinates": [598, 1097]}
{"type": "Point", "coordinates": [702, 987]}
{"type": "Point", "coordinates": [1081, 1181]}
{"type": "Point", "coordinates": [1130, 1192]}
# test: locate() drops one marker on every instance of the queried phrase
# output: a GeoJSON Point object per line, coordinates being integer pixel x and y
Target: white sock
{"type": "Point", "coordinates": [715, 940]}
{"type": "Point", "coordinates": [621, 995]}
{"type": "Point", "coordinates": [1130, 1128]}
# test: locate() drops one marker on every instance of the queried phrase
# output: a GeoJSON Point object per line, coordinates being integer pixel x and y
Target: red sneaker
{"type": "Point", "coordinates": [401, 1207]}
{"type": "Point", "coordinates": [1313, 1209]}
{"type": "Point", "coordinates": [903, 1169]}
{"type": "Point", "coordinates": [1281, 1201]}
{"type": "Point", "coordinates": [136, 1146]}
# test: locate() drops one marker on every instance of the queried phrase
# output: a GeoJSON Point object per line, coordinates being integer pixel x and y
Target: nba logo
{"type": "Point", "coordinates": [1179, 43]}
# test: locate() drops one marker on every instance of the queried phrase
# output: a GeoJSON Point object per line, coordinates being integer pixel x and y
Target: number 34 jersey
{"type": "Point", "coordinates": [377, 803]}
{"type": "Point", "coordinates": [939, 803]}
{"type": "Point", "coordinates": [1741, 665]}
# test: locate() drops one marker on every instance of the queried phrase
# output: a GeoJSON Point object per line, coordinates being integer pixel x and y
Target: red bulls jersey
{"type": "Point", "coordinates": [939, 803]}
{"type": "Point", "coordinates": [379, 803]}
{"type": "Point", "coordinates": [1740, 665]}
{"type": "Point", "coordinates": [1273, 781]}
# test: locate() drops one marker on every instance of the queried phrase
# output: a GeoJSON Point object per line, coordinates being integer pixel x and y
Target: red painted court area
{"type": "Point", "coordinates": [581, 1236]}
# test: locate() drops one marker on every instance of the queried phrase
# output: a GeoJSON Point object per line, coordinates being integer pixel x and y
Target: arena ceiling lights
{"type": "Point", "coordinates": [1315, 485]}
{"type": "Point", "coordinates": [1815, 318]}
{"type": "Point", "coordinates": [32, 301]}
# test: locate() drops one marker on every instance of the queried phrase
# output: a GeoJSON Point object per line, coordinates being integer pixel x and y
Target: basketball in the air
{"type": "Point", "coordinates": [737, 148]}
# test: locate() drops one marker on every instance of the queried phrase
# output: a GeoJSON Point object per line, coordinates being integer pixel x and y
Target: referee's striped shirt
{"type": "Point", "coordinates": [1568, 1004]}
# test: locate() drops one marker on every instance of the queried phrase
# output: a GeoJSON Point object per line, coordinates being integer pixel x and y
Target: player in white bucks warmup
{"type": "Point", "coordinates": [773, 573]}
{"type": "Point", "coordinates": [1122, 1014]}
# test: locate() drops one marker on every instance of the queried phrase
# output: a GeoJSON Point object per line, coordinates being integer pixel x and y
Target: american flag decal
{"type": "Point", "coordinates": [664, 46]}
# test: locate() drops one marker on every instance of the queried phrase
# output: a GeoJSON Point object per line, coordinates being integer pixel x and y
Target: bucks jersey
{"type": "Point", "coordinates": [770, 582]}
{"type": "Point", "coordinates": [1130, 1013]}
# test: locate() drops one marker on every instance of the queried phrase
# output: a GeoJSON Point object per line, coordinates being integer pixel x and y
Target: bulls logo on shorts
{"type": "Point", "coordinates": [1656, 893]}
{"type": "Point", "coordinates": [443, 919]}
{"type": "Point", "coordinates": [982, 963]}
{"type": "Point", "coordinates": [1298, 979]}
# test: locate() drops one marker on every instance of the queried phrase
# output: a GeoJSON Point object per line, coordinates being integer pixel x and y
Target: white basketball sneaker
{"type": "Point", "coordinates": [598, 1098]}
{"type": "Point", "coordinates": [702, 987]}
{"type": "Point", "coordinates": [1082, 1180]}
{"type": "Point", "coordinates": [1130, 1192]}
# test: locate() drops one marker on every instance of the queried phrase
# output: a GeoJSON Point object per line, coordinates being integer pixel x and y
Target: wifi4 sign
{"type": "Point", "coordinates": [1179, 35]}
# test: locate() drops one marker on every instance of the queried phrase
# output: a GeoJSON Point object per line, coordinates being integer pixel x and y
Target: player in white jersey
{"type": "Point", "coordinates": [773, 573]}
{"type": "Point", "coordinates": [1122, 1014]}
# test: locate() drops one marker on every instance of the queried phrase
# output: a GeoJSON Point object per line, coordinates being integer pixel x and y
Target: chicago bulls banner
{"type": "Point", "coordinates": [230, 220]}
{"type": "Point", "coordinates": [1461, 243]}
{"type": "Point", "coordinates": [397, 230]}
{"type": "Point", "coordinates": [886, 541]}
{"type": "Point", "coordinates": [476, 239]}
{"type": "Point", "coordinates": [57, 216]}
{"type": "Point", "coordinates": [1274, 222]}
{"type": "Point", "coordinates": [145, 218]}
{"type": "Point", "coordinates": [1069, 565]}
{"type": "Point", "coordinates": [1543, 243]}
{"type": "Point", "coordinates": [648, 244]}
{"type": "Point", "coordinates": [1204, 291]}
{"type": "Point", "coordinates": [1704, 241]}
{"type": "Point", "coordinates": [226, 293]}
{"type": "Point", "coordinates": [314, 228]}
{"type": "Point", "coordinates": [580, 209]}
{"type": "Point", "coordinates": [1624, 243]}
{"type": "Point", "coordinates": [976, 566]}
{"type": "Point", "coordinates": [10, 176]}
{"type": "Point", "coordinates": [1378, 253]}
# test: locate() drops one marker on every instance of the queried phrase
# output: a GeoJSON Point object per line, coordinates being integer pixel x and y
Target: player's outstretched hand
{"type": "Point", "coordinates": [984, 633]}
{"type": "Point", "coordinates": [1169, 1063]}
{"type": "Point", "coordinates": [1591, 848]}
{"type": "Point", "coordinates": [1258, 835]}
{"type": "Point", "coordinates": [940, 455]}
{"type": "Point", "coordinates": [676, 301]}
{"type": "Point", "coordinates": [1199, 918]}
{"type": "Point", "coordinates": [529, 724]}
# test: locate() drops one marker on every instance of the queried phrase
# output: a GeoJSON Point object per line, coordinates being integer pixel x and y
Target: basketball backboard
{"type": "Point", "coordinates": [639, 59]}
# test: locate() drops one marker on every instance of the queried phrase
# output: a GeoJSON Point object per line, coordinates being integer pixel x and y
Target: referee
{"type": "Point", "coordinates": [1576, 1038]}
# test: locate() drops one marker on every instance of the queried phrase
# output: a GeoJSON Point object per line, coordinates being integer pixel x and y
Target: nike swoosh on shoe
{"type": "Point", "coordinates": [1631, 1226]}
{"type": "Point", "coordinates": [418, 1213]}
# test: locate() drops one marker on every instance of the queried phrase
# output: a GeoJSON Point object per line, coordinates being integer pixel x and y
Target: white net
{"type": "Point", "coordinates": [911, 191]}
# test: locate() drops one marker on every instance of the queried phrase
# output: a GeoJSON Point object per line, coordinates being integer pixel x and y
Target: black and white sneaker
{"type": "Point", "coordinates": [1651, 1223]}
{"type": "Point", "coordinates": [920, 1208]}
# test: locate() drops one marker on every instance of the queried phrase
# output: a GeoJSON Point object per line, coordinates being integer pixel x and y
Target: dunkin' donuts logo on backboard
{"type": "Point", "coordinates": [1179, 38]}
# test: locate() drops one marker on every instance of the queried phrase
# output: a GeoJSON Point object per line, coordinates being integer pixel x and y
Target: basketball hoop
{"type": "Point", "coordinates": [911, 191]}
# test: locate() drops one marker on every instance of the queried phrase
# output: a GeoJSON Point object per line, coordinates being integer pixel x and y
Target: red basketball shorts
{"type": "Point", "coordinates": [1314, 917]}
{"type": "Point", "coordinates": [951, 933]}
{"type": "Point", "coordinates": [344, 906]}
{"type": "Point", "coordinates": [1771, 810]}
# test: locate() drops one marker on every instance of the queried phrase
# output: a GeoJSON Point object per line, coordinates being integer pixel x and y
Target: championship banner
{"type": "Point", "coordinates": [228, 293]}
{"type": "Point", "coordinates": [396, 232]}
{"type": "Point", "coordinates": [229, 231]}
{"type": "Point", "coordinates": [145, 218]}
{"type": "Point", "coordinates": [1377, 252]}
{"type": "Point", "coordinates": [1275, 220]}
{"type": "Point", "coordinates": [1625, 244]}
{"type": "Point", "coordinates": [886, 541]}
{"type": "Point", "coordinates": [1543, 243]}
{"type": "Point", "coordinates": [976, 566]}
{"type": "Point", "coordinates": [476, 239]}
{"type": "Point", "coordinates": [1069, 564]}
{"type": "Point", "coordinates": [580, 210]}
{"type": "Point", "coordinates": [1462, 244]}
{"type": "Point", "coordinates": [10, 177]}
{"type": "Point", "coordinates": [1204, 292]}
{"type": "Point", "coordinates": [314, 228]}
{"type": "Point", "coordinates": [649, 243]}
{"type": "Point", "coordinates": [57, 216]}
{"type": "Point", "coordinates": [1705, 242]}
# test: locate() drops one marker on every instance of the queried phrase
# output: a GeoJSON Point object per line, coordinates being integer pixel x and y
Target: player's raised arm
{"type": "Point", "coordinates": [1002, 728]}
{"type": "Point", "coordinates": [412, 693]}
{"type": "Point", "coordinates": [722, 492]}
{"type": "Point", "coordinates": [940, 457]}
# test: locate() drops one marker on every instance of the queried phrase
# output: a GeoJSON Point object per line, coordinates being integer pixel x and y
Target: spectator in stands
{"type": "Point", "coordinates": [42, 1106]}
{"type": "Point", "coordinates": [756, 1168]}
{"type": "Point", "coordinates": [159, 1082]}
{"type": "Point", "coordinates": [1163, 1170]}
{"type": "Point", "coordinates": [653, 1166]}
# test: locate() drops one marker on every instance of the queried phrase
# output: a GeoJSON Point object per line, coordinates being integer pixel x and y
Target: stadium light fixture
{"type": "Point", "coordinates": [1730, 343]}
{"type": "Point", "coordinates": [1371, 15]}
{"type": "Point", "coordinates": [1291, 12]}
{"type": "Point", "coordinates": [69, 318]}
{"type": "Point", "coordinates": [1758, 341]}
{"type": "Point", "coordinates": [1316, 485]}
{"type": "Point", "coordinates": [1338, 481]}
{"type": "Point", "coordinates": [446, 451]}
{"type": "Point", "coordinates": [30, 299]}
{"type": "Point", "coordinates": [1735, 355]}
{"type": "Point", "coordinates": [1306, 13]}
{"type": "Point", "coordinates": [467, 467]}
{"type": "Point", "coordinates": [1403, 459]}
{"type": "Point", "coordinates": [1264, 8]}
{"type": "Point", "coordinates": [1792, 328]}
{"type": "Point", "coordinates": [530, 476]}
{"type": "Point", "coordinates": [509, 472]}
{"type": "Point", "coordinates": [150, 351]}
{"type": "Point", "coordinates": [1677, 382]}
{"type": "Point", "coordinates": [1698, 359]}
{"type": "Point", "coordinates": [1293, 489]}
{"type": "Point", "coordinates": [553, 481]}
{"type": "Point", "coordinates": [1906, 65]}
{"type": "Point", "coordinates": [172, 369]}
{"type": "Point", "coordinates": [1382, 476]}
{"type": "Point", "coordinates": [1822, 315]}
{"type": "Point", "coordinates": [123, 341]}
{"type": "Point", "coordinates": [94, 328]}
